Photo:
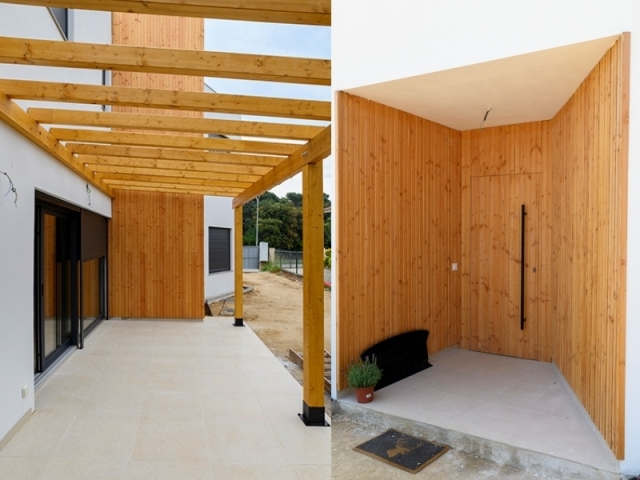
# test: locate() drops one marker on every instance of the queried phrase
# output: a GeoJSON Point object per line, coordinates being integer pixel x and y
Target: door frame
{"type": "Point", "coordinates": [51, 206]}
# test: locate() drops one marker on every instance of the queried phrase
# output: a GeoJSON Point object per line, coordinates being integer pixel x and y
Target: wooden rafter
{"type": "Point", "coordinates": [303, 12]}
{"type": "Point", "coordinates": [173, 154]}
{"type": "Point", "coordinates": [179, 189]}
{"type": "Point", "coordinates": [107, 170]}
{"type": "Point", "coordinates": [90, 160]}
{"type": "Point", "coordinates": [172, 141]}
{"type": "Point", "coordinates": [203, 182]}
{"type": "Point", "coordinates": [165, 61]}
{"type": "Point", "coordinates": [19, 120]}
{"type": "Point", "coordinates": [166, 99]}
{"type": "Point", "coordinates": [138, 121]}
{"type": "Point", "coordinates": [316, 150]}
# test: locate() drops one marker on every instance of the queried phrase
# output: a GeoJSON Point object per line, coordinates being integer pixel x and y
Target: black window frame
{"type": "Point", "coordinates": [220, 260]}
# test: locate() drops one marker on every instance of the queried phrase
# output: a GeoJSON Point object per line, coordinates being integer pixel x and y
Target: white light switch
{"type": "Point", "coordinates": [25, 391]}
{"type": "Point", "coordinates": [454, 267]}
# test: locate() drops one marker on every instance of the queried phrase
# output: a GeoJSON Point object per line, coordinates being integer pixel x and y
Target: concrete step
{"type": "Point", "coordinates": [500, 453]}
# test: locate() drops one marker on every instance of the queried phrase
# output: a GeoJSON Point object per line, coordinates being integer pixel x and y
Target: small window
{"type": "Point", "coordinates": [61, 16]}
{"type": "Point", "coordinates": [219, 249]}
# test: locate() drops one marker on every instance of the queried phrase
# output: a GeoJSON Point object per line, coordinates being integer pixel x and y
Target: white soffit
{"type": "Point", "coordinates": [518, 89]}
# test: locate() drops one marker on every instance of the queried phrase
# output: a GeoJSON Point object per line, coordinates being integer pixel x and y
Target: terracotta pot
{"type": "Point", "coordinates": [364, 394]}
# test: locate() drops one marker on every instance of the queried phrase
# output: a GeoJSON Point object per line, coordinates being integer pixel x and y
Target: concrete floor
{"type": "Point", "coordinates": [510, 401]}
{"type": "Point", "coordinates": [167, 400]}
{"type": "Point", "coordinates": [453, 465]}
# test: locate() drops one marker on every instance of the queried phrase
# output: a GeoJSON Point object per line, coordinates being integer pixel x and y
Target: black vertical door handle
{"type": "Point", "coordinates": [522, 268]}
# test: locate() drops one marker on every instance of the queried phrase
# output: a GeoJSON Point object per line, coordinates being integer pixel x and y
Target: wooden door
{"type": "Point", "coordinates": [496, 229]}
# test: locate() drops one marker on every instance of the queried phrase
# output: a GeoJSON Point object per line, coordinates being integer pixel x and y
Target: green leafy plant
{"type": "Point", "coordinates": [269, 267]}
{"type": "Point", "coordinates": [364, 374]}
{"type": "Point", "coordinates": [327, 258]}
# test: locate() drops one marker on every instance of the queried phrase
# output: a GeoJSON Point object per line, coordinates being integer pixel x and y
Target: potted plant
{"type": "Point", "coordinates": [364, 376]}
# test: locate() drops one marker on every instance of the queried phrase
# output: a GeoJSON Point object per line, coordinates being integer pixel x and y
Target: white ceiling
{"type": "Point", "coordinates": [518, 89]}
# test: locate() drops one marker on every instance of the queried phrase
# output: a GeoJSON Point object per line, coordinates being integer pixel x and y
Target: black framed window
{"type": "Point", "coordinates": [219, 249]}
{"type": "Point", "coordinates": [61, 16]}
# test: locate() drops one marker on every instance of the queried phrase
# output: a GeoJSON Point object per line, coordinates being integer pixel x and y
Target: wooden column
{"type": "Point", "coordinates": [313, 295]}
{"type": "Point", "coordinates": [238, 266]}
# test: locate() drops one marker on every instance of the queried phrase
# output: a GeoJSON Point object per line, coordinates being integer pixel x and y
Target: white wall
{"type": "Point", "coordinates": [32, 169]}
{"type": "Point", "coordinates": [375, 41]}
{"type": "Point", "coordinates": [379, 40]}
{"type": "Point", "coordinates": [218, 212]}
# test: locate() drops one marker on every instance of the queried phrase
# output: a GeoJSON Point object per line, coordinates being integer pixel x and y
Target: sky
{"type": "Point", "coordinates": [273, 39]}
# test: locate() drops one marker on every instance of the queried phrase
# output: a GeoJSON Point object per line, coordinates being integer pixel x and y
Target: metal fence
{"type": "Point", "coordinates": [289, 261]}
{"type": "Point", "coordinates": [250, 258]}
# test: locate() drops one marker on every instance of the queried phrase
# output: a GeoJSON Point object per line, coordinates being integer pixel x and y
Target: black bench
{"type": "Point", "coordinates": [400, 356]}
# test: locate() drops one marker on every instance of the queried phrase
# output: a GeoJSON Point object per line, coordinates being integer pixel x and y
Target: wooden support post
{"type": "Point", "coordinates": [238, 266]}
{"type": "Point", "coordinates": [313, 295]}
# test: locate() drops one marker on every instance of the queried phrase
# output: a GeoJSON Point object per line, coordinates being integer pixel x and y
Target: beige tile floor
{"type": "Point", "coordinates": [168, 400]}
{"type": "Point", "coordinates": [513, 401]}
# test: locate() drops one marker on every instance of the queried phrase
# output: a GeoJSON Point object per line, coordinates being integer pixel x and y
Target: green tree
{"type": "Point", "coordinates": [280, 221]}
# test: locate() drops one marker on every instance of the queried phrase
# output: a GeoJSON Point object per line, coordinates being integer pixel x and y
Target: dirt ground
{"type": "Point", "coordinates": [273, 310]}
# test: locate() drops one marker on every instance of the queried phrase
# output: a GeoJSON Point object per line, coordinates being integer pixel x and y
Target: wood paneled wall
{"type": "Point", "coordinates": [156, 260]}
{"type": "Point", "coordinates": [398, 228]}
{"type": "Point", "coordinates": [588, 140]}
{"type": "Point", "coordinates": [511, 152]}
{"type": "Point", "coordinates": [163, 32]}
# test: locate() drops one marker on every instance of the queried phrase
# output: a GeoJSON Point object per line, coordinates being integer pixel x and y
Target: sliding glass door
{"type": "Point", "coordinates": [56, 284]}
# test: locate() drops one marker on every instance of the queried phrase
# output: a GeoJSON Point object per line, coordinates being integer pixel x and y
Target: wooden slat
{"type": "Point", "coordinates": [395, 228]}
{"type": "Point", "coordinates": [171, 188]}
{"type": "Point", "coordinates": [313, 286]}
{"type": "Point", "coordinates": [307, 12]}
{"type": "Point", "coordinates": [172, 100]}
{"type": "Point", "coordinates": [20, 121]}
{"type": "Point", "coordinates": [238, 179]}
{"type": "Point", "coordinates": [93, 160]}
{"type": "Point", "coordinates": [165, 61]}
{"type": "Point", "coordinates": [172, 141]}
{"type": "Point", "coordinates": [174, 124]}
{"type": "Point", "coordinates": [314, 151]}
{"type": "Point", "coordinates": [174, 154]}
{"type": "Point", "coordinates": [170, 179]}
{"type": "Point", "coordinates": [156, 261]}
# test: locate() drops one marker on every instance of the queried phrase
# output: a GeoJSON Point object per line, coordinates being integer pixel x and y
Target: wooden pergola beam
{"type": "Point", "coordinates": [240, 179]}
{"type": "Point", "coordinates": [174, 154]}
{"type": "Point", "coordinates": [138, 121]}
{"type": "Point", "coordinates": [168, 61]}
{"type": "Point", "coordinates": [90, 160]}
{"type": "Point", "coordinates": [151, 187]}
{"type": "Point", "coordinates": [316, 150]}
{"type": "Point", "coordinates": [166, 99]}
{"type": "Point", "coordinates": [172, 141]}
{"type": "Point", "coordinates": [20, 121]}
{"type": "Point", "coordinates": [301, 12]}
{"type": "Point", "coordinates": [169, 180]}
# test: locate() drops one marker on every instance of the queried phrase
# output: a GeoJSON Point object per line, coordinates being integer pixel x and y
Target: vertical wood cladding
{"type": "Point", "coordinates": [398, 228]}
{"type": "Point", "coordinates": [588, 142]}
{"type": "Point", "coordinates": [156, 243]}
{"type": "Point", "coordinates": [156, 261]}
{"type": "Point", "coordinates": [505, 167]}
{"type": "Point", "coordinates": [163, 32]}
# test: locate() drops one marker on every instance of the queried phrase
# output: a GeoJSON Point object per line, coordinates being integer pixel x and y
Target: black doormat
{"type": "Point", "coordinates": [408, 453]}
